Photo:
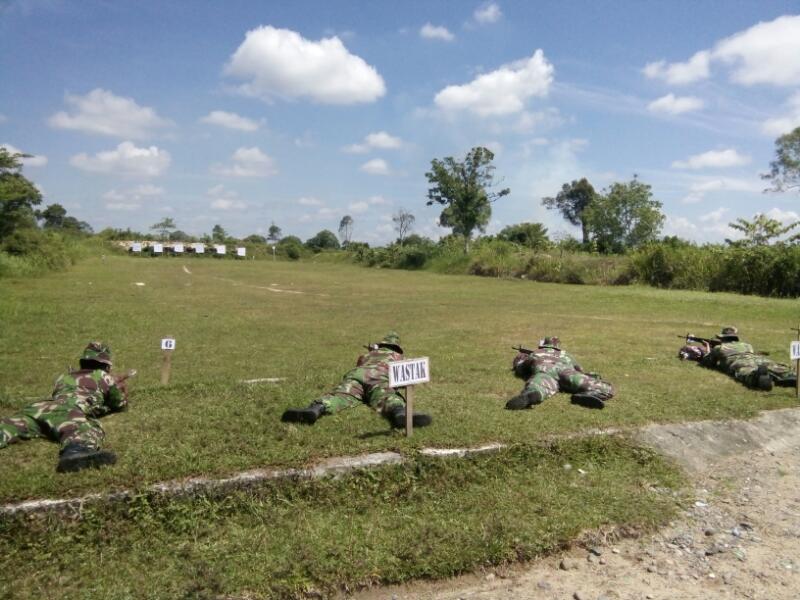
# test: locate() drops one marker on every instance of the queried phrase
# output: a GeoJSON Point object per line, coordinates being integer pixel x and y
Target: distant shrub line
{"type": "Point", "coordinates": [772, 270]}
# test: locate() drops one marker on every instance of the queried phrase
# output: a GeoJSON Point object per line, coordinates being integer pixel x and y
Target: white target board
{"type": "Point", "coordinates": [158, 248]}
{"type": "Point", "coordinates": [219, 248]}
{"type": "Point", "coordinates": [199, 248]}
{"type": "Point", "coordinates": [177, 248]}
{"type": "Point", "coordinates": [241, 251]}
{"type": "Point", "coordinates": [136, 247]}
{"type": "Point", "coordinates": [409, 372]}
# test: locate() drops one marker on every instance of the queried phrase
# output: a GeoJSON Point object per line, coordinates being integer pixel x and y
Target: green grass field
{"type": "Point", "coordinates": [231, 323]}
{"type": "Point", "coordinates": [306, 322]}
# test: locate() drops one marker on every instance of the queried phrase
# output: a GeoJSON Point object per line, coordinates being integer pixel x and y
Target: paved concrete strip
{"type": "Point", "coordinates": [697, 446]}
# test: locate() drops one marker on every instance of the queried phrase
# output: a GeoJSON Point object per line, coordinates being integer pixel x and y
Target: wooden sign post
{"type": "Point", "coordinates": [407, 374]}
{"type": "Point", "coordinates": [167, 346]}
{"type": "Point", "coordinates": [794, 352]}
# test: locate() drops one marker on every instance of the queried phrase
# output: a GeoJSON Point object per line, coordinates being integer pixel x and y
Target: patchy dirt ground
{"type": "Point", "coordinates": [740, 539]}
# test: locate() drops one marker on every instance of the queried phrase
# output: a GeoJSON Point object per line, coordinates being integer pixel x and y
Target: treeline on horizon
{"type": "Point", "coordinates": [620, 235]}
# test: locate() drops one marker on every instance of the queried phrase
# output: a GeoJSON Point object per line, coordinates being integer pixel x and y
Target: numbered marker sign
{"type": "Point", "coordinates": [168, 344]}
{"type": "Point", "coordinates": [158, 248]}
{"type": "Point", "coordinates": [199, 248]}
{"type": "Point", "coordinates": [136, 247]}
{"type": "Point", "coordinates": [409, 372]}
{"type": "Point", "coordinates": [241, 251]}
{"type": "Point", "coordinates": [178, 248]}
{"type": "Point", "coordinates": [794, 350]}
{"type": "Point", "coordinates": [220, 249]}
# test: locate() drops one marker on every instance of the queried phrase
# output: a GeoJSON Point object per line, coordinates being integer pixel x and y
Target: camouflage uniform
{"type": "Point", "coordinates": [367, 383]}
{"type": "Point", "coordinates": [78, 399]}
{"type": "Point", "coordinates": [738, 359]}
{"type": "Point", "coordinates": [549, 369]}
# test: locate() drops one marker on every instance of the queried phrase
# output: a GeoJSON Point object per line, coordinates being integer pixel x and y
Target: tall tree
{"type": "Point", "coordinates": [572, 201]}
{"type": "Point", "coordinates": [346, 229]}
{"type": "Point", "coordinates": [164, 227]}
{"type": "Point", "coordinates": [785, 169]}
{"type": "Point", "coordinates": [53, 216]}
{"type": "Point", "coordinates": [324, 240]}
{"type": "Point", "coordinates": [18, 195]}
{"type": "Point", "coordinates": [274, 233]}
{"type": "Point", "coordinates": [761, 231]}
{"type": "Point", "coordinates": [218, 234]}
{"type": "Point", "coordinates": [403, 223]}
{"type": "Point", "coordinates": [463, 188]}
{"type": "Point", "coordinates": [625, 217]}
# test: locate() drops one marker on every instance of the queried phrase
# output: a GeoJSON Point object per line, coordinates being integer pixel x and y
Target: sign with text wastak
{"type": "Point", "coordinates": [409, 372]}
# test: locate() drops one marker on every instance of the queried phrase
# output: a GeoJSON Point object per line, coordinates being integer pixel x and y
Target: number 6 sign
{"type": "Point", "coordinates": [167, 346]}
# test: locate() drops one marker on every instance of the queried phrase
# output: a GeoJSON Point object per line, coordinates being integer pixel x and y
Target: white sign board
{"type": "Point", "coordinates": [177, 248]}
{"type": "Point", "coordinates": [409, 372]}
{"type": "Point", "coordinates": [241, 251]}
{"type": "Point", "coordinates": [136, 247]}
{"type": "Point", "coordinates": [220, 248]}
{"type": "Point", "coordinates": [158, 248]}
{"type": "Point", "coordinates": [168, 344]}
{"type": "Point", "coordinates": [199, 248]}
{"type": "Point", "coordinates": [794, 350]}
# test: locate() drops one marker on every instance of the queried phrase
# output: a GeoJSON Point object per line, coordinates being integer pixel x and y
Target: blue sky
{"type": "Point", "coordinates": [246, 113]}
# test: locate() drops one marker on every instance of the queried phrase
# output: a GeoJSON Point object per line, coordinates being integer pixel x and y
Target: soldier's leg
{"type": "Point", "coordinates": [347, 394]}
{"type": "Point", "coordinates": [22, 426]}
{"type": "Point", "coordinates": [783, 375]}
{"type": "Point", "coordinates": [392, 406]}
{"type": "Point", "coordinates": [538, 388]}
{"type": "Point", "coordinates": [753, 374]}
{"type": "Point", "coordinates": [587, 390]}
{"type": "Point", "coordinates": [79, 436]}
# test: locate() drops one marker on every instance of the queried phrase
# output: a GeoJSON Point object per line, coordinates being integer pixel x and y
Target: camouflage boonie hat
{"type": "Point", "coordinates": [98, 352]}
{"type": "Point", "coordinates": [550, 341]}
{"type": "Point", "coordinates": [391, 340]}
{"type": "Point", "coordinates": [728, 333]}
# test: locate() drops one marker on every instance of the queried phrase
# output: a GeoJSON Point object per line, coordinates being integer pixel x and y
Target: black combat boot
{"type": "Point", "coordinates": [308, 415]}
{"type": "Point", "coordinates": [397, 417]}
{"type": "Point", "coordinates": [76, 456]}
{"type": "Point", "coordinates": [524, 400]}
{"type": "Point", "coordinates": [588, 400]}
{"type": "Point", "coordinates": [763, 378]}
{"type": "Point", "coordinates": [789, 380]}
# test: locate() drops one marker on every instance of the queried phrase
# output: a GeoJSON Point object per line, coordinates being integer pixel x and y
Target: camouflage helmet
{"type": "Point", "coordinates": [98, 352]}
{"type": "Point", "coordinates": [728, 333]}
{"type": "Point", "coordinates": [391, 340]}
{"type": "Point", "coordinates": [550, 341]}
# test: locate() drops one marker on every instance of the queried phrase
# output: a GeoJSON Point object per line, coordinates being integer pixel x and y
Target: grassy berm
{"type": "Point", "coordinates": [306, 322]}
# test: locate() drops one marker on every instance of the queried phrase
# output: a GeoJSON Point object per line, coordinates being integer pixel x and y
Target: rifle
{"type": "Point", "coordinates": [522, 349]}
{"type": "Point", "coordinates": [690, 337]}
{"type": "Point", "coordinates": [371, 347]}
{"type": "Point", "coordinates": [125, 376]}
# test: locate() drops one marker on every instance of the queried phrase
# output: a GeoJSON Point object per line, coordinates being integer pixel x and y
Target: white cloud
{"type": "Point", "coordinates": [715, 216]}
{"type": "Point", "coordinates": [101, 112]}
{"type": "Point", "coordinates": [279, 63]}
{"type": "Point", "coordinates": [307, 201]}
{"type": "Point", "coordinates": [230, 121]}
{"type": "Point", "coordinates": [675, 105]}
{"type": "Point", "coordinates": [224, 199]}
{"type": "Point", "coordinates": [700, 187]}
{"type": "Point", "coordinates": [784, 216]}
{"type": "Point", "coordinates": [764, 53]}
{"type": "Point", "coordinates": [680, 226]}
{"type": "Point", "coordinates": [713, 159]}
{"type": "Point", "coordinates": [378, 140]}
{"type": "Point", "coordinates": [768, 52]}
{"type": "Point", "coordinates": [433, 32]}
{"type": "Point", "coordinates": [247, 162]}
{"type": "Point", "coordinates": [132, 198]}
{"type": "Point", "coordinates": [36, 160]}
{"type": "Point", "coordinates": [377, 200]}
{"type": "Point", "coordinates": [358, 207]}
{"type": "Point", "coordinates": [781, 125]}
{"type": "Point", "coordinates": [696, 68]}
{"type": "Point", "coordinates": [127, 160]}
{"type": "Point", "coordinates": [487, 13]}
{"type": "Point", "coordinates": [376, 166]}
{"type": "Point", "coordinates": [500, 92]}
{"type": "Point", "coordinates": [3, 118]}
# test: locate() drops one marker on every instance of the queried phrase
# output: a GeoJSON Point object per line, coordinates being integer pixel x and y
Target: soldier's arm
{"type": "Point", "coordinates": [522, 365]}
{"type": "Point", "coordinates": [115, 395]}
